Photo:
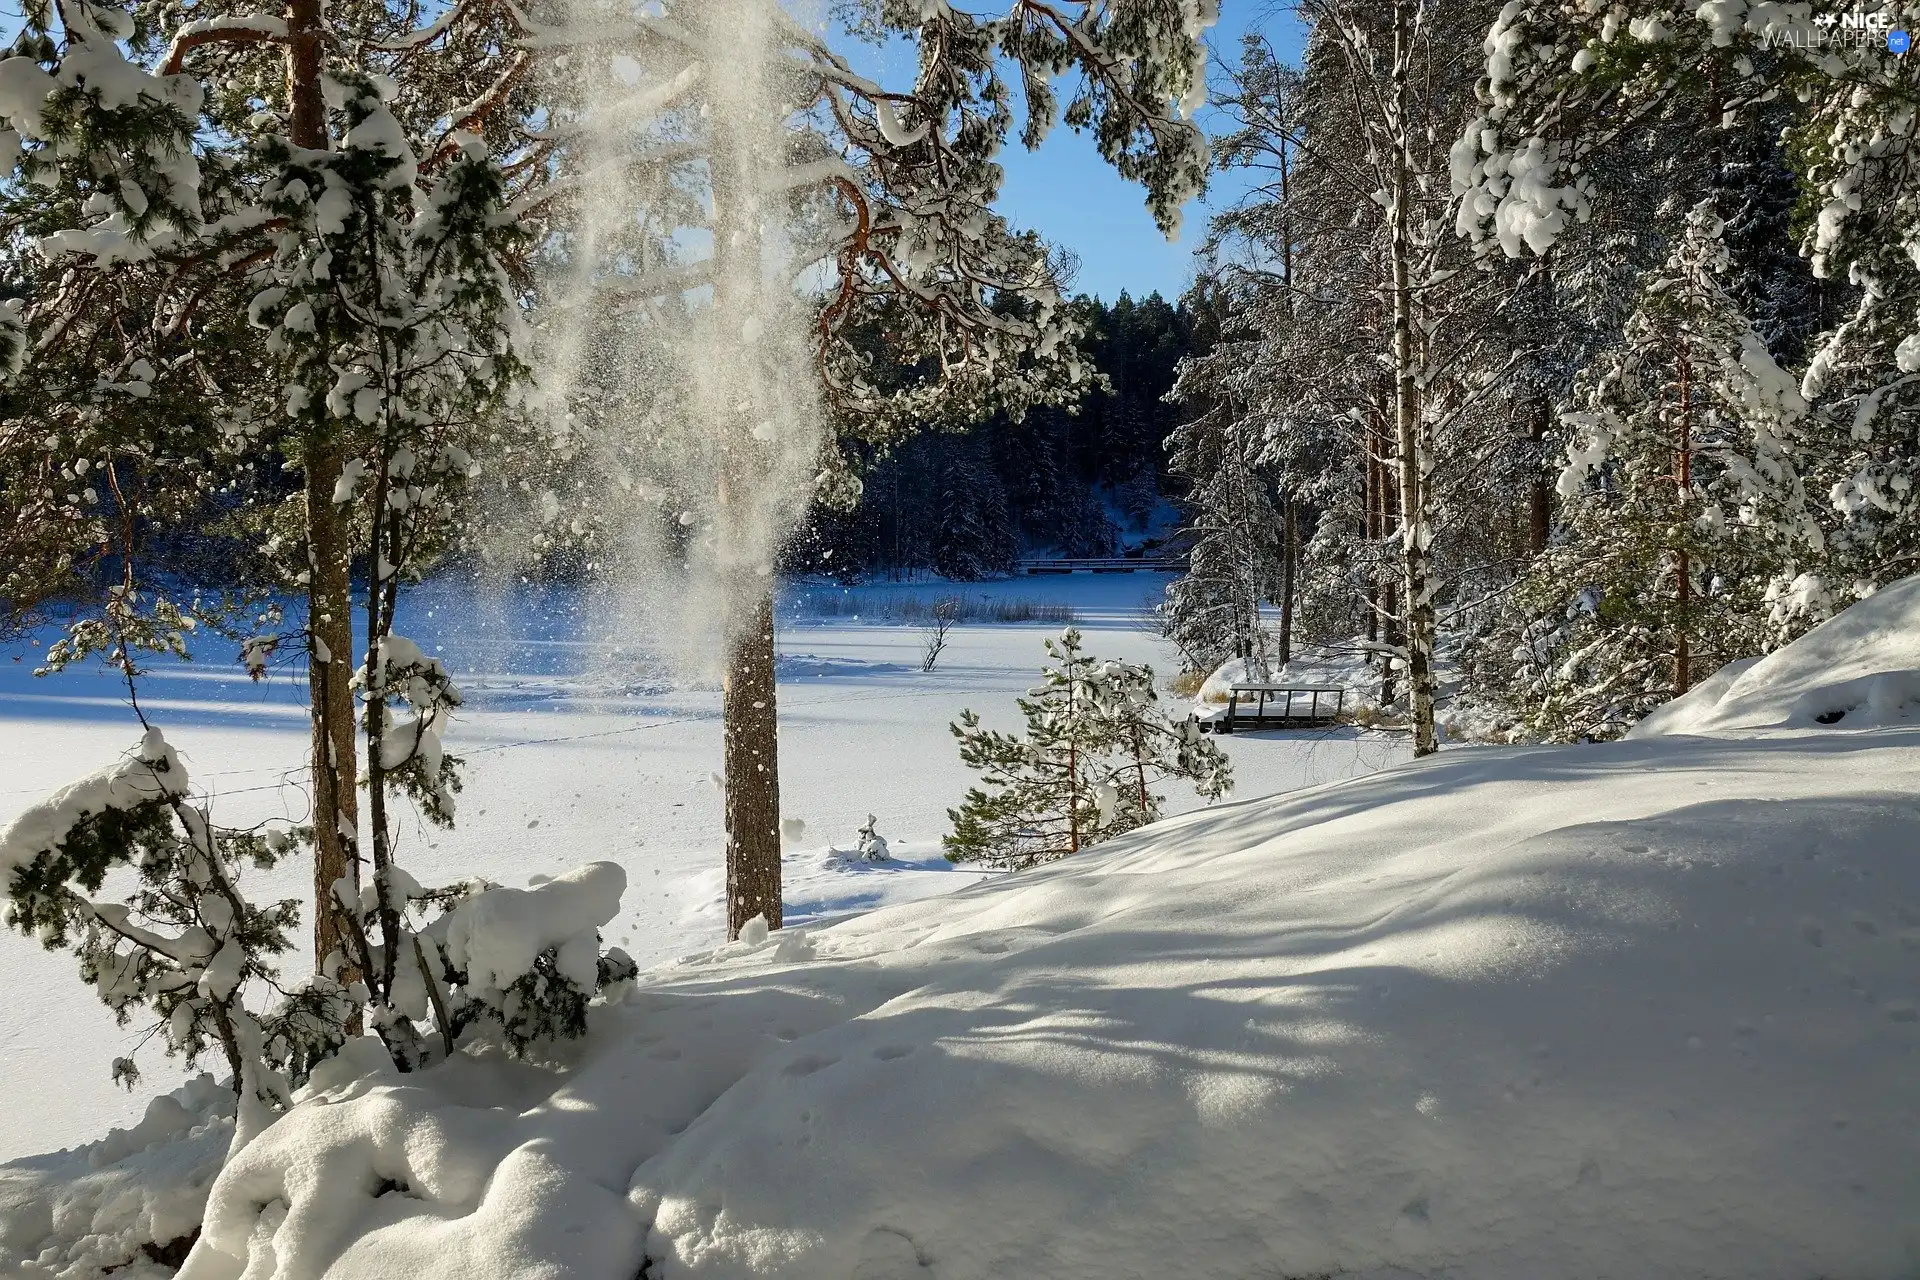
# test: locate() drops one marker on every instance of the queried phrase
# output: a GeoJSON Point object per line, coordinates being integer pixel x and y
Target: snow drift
{"type": "Point", "coordinates": [121, 1205]}
{"type": "Point", "coordinates": [1858, 670]}
{"type": "Point", "coordinates": [1644, 1010]}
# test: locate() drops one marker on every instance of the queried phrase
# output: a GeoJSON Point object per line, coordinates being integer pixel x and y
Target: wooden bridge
{"type": "Point", "coordinates": [1102, 564]}
{"type": "Point", "coordinates": [1277, 706]}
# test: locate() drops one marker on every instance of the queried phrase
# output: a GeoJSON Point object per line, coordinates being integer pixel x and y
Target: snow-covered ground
{"type": "Point", "coordinates": [579, 749]}
{"type": "Point", "coordinates": [1645, 1010]}
{"type": "Point", "coordinates": [1642, 1010]}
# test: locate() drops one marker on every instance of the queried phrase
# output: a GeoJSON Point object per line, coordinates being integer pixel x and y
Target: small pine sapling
{"type": "Point", "coordinates": [872, 845]}
{"type": "Point", "coordinates": [1096, 744]}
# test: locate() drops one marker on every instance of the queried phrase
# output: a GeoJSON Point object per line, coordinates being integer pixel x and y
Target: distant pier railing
{"type": "Point", "coordinates": [1103, 564]}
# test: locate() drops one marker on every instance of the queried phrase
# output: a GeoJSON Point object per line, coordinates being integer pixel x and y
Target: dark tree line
{"type": "Point", "coordinates": [1087, 480]}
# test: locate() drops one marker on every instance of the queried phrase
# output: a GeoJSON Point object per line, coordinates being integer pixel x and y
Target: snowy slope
{"type": "Point", "coordinates": [1644, 1010]}
{"type": "Point", "coordinates": [1859, 670]}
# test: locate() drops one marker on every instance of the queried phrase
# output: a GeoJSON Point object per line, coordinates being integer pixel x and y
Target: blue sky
{"type": "Point", "coordinates": [1069, 194]}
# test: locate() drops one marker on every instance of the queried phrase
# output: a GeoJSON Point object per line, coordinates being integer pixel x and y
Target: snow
{"type": "Point", "coordinates": [495, 936]}
{"type": "Point", "coordinates": [1647, 1009]}
{"type": "Point", "coordinates": [81, 1211]}
{"type": "Point", "coordinates": [1858, 670]}
{"type": "Point", "coordinates": [151, 772]}
{"type": "Point", "coordinates": [1218, 686]}
{"type": "Point", "coordinates": [578, 748]}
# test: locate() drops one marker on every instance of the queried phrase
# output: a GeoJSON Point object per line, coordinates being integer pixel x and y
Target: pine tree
{"type": "Point", "coordinates": [1212, 612]}
{"type": "Point", "coordinates": [1095, 746]}
{"type": "Point", "coordinates": [1682, 508]}
{"type": "Point", "coordinates": [890, 193]}
{"type": "Point", "coordinates": [1568, 86]}
{"type": "Point", "coordinates": [203, 178]}
{"type": "Point", "coordinates": [336, 278]}
{"type": "Point", "coordinates": [972, 532]}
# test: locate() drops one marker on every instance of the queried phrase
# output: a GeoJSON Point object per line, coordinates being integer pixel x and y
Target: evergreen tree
{"type": "Point", "coordinates": [1095, 746]}
{"type": "Point", "coordinates": [1569, 86]}
{"type": "Point", "coordinates": [1212, 612]}
{"type": "Point", "coordinates": [972, 532]}
{"type": "Point", "coordinates": [1682, 507]}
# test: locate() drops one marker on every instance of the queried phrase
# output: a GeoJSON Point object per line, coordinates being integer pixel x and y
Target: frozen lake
{"type": "Point", "coordinates": [581, 745]}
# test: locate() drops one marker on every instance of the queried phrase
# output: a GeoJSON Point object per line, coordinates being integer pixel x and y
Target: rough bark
{"type": "Point", "coordinates": [330, 698]}
{"type": "Point", "coordinates": [1289, 532]}
{"type": "Point", "coordinates": [744, 144]}
{"type": "Point", "coordinates": [1540, 492]}
{"type": "Point", "coordinates": [753, 776]}
{"type": "Point", "coordinates": [1414, 445]}
{"type": "Point", "coordinates": [1683, 483]}
{"type": "Point", "coordinates": [329, 588]}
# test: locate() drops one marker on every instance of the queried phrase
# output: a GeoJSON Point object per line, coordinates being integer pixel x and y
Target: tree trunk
{"type": "Point", "coordinates": [1415, 446]}
{"type": "Point", "coordinates": [1387, 592]}
{"type": "Point", "coordinates": [1370, 528]}
{"type": "Point", "coordinates": [1683, 482]}
{"type": "Point", "coordinates": [1540, 492]}
{"type": "Point", "coordinates": [753, 776]}
{"type": "Point", "coordinates": [383, 545]}
{"type": "Point", "coordinates": [336, 843]}
{"type": "Point", "coordinates": [745, 148]}
{"type": "Point", "coordinates": [1289, 532]}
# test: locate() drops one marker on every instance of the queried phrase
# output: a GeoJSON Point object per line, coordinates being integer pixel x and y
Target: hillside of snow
{"type": "Point", "coordinates": [1859, 670]}
{"type": "Point", "coordinates": [1643, 1010]}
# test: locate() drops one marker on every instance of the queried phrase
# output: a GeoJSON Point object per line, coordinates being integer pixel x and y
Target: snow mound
{"type": "Point", "coordinates": [495, 936]}
{"type": "Point", "coordinates": [1859, 669]}
{"type": "Point", "coordinates": [1647, 1011]}
{"type": "Point", "coordinates": [1219, 683]}
{"type": "Point", "coordinates": [114, 1206]}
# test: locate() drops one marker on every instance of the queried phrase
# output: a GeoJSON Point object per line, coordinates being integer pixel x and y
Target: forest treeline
{"type": "Point", "coordinates": [1554, 357]}
{"type": "Point", "coordinates": [1086, 478]}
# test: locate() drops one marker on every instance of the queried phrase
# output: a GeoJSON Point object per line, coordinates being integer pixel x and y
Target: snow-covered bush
{"type": "Point", "coordinates": [1096, 744]}
{"type": "Point", "coordinates": [182, 943]}
{"type": "Point", "coordinates": [872, 846]}
{"type": "Point", "coordinates": [528, 960]}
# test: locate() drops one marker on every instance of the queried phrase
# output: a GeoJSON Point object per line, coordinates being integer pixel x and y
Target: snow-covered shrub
{"type": "Point", "coordinates": [1096, 743]}
{"type": "Point", "coordinates": [528, 960]}
{"type": "Point", "coordinates": [872, 846]}
{"type": "Point", "coordinates": [182, 943]}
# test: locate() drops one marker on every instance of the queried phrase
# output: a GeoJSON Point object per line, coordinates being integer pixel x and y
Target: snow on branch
{"type": "Point", "coordinates": [250, 29]}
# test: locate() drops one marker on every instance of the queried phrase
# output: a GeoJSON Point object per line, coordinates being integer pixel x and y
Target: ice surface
{"type": "Point", "coordinates": [576, 750]}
